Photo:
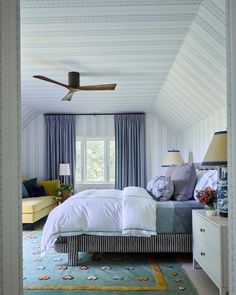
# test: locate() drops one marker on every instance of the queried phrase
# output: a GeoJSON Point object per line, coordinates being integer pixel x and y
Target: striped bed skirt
{"type": "Point", "coordinates": [90, 243]}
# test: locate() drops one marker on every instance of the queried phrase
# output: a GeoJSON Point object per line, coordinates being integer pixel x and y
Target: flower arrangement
{"type": "Point", "coordinates": [64, 191]}
{"type": "Point", "coordinates": [208, 196]}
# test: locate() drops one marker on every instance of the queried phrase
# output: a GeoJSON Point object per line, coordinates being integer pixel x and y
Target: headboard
{"type": "Point", "coordinates": [199, 166]}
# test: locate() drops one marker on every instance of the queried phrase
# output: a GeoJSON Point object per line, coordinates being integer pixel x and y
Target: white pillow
{"type": "Point", "coordinates": [208, 179]}
{"type": "Point", "coordinates": [135, 191]}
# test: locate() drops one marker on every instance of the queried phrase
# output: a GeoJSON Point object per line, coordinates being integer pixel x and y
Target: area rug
{"type": "Point", "coordinates": [100, 273]}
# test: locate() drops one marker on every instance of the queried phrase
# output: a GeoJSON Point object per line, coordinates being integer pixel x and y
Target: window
{"type": "Point", "coordinates": [95, 160]}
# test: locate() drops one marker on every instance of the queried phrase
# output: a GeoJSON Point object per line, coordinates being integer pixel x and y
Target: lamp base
{"type": "Point", "coordinates": [223, 214]}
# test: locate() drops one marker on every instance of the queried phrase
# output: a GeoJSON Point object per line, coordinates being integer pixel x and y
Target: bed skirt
{"type": "Point", "coordinates": [90, 243]}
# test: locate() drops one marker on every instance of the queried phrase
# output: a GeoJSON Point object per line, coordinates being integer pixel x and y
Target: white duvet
{"type": "Point", "coordinates": [102, 212]}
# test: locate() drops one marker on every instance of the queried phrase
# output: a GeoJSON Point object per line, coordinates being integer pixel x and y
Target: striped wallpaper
{"type": "Point", "coordinates": [192, 143]}
{"type": "Point", "coordinates": [33, 149]}
{"type": "Point", "coordinates": [195, 140]}
{"type": "Point", "coordinates": [196, 84]}
{"type": "Point", "coordinates": [158, 138]}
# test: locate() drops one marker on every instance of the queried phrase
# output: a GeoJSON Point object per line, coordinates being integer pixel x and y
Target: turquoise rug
{"type": "Point", "coordinates": [103, 273]}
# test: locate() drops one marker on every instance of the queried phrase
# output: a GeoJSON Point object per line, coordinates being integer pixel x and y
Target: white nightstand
{"type": "Point", "coordinates": [210, 247]}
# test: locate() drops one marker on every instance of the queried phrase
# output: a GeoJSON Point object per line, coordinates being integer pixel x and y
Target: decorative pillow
{"type": "Point", "coordinates": [208, 179]}
{"type": "Point", "coordinates": [25, 193]}
{"type": "Point", "coordinates": [149, 186]}
{"type": "Point", "coordinates": [37, 191]}
{"type": "Point", "coordinates": [170, 170]}
{"type": "Point", "coordinates": [184, 178]}
{"type": "Point", "coordinates": [163, 188]}
{"type": "Point", "coordinates": [50, 186]}
{"type": "Point", "coordinates": [29, 184]}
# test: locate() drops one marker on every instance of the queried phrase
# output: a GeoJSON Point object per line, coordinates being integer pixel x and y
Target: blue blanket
{"type": "Point", "coordinates": [175, 216]}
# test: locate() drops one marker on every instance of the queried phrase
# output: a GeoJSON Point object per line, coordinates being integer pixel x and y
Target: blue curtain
{"type": "Point", "coordinates": [130, 150]}
{"type": "Point", "coordinates": [60, 144]}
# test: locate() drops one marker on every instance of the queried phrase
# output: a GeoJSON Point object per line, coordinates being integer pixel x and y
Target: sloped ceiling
{"type": "Point", "coordinates": [195, 87]}
{"type": "Point", "coordinates": [163, 55]}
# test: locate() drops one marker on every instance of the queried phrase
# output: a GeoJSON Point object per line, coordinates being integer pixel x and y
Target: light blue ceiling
{"type": "Point", "coordinates": [165, 56]}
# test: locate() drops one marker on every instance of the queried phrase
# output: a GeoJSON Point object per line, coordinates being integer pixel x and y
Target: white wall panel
{"type": "Point", "coordinates": [196, 139]}
{"type": "Point", "coordinates": [33, 152]}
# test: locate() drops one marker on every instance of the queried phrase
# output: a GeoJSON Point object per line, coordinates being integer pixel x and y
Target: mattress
{"type": "Point", "coordinates": [175, 216]}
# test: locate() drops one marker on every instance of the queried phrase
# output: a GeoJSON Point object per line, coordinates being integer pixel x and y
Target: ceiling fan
{"type": "Point", "coordinates": [74, 85]}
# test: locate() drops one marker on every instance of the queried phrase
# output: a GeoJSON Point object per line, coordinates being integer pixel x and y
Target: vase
{"type": "Point", "coordinates": [210, 211]}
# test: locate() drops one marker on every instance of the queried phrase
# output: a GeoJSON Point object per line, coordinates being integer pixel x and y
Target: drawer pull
{"type": "Point", "coordinates": [203, 254]}
{"type": "Point", "coordinates": [202, 230]}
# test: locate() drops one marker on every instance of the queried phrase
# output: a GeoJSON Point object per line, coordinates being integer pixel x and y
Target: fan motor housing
{"type": "Point", "coordinates": [74, 79]}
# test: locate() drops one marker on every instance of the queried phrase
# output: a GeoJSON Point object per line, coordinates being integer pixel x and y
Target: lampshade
{"type": "Point", "coordinates": [217, 150]}
{"type": "Point", "coordinates": [64, 169]}
{"type": "Point", "coordinates": [173, 157]}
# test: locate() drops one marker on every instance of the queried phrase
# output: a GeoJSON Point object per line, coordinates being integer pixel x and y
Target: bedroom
{"type": "Point", "coordinates": [136, 53]}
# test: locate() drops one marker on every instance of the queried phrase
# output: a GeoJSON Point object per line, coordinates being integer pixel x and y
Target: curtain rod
{"type": "Point", "coordinates": [94, 114]}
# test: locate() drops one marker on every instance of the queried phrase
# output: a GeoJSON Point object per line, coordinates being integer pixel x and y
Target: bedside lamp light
{"type": "Point", "coordinates": [217, 155]}
{"type": "Point", "coordinates": [173, 157]}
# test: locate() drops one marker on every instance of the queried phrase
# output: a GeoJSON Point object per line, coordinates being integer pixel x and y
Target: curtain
{"type": "Point", "coordinates": [130, 150]}
{"type": "Point", "coordinates": [60, 144]}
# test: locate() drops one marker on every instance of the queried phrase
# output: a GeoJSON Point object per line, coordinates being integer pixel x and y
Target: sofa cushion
{"type": "Point", "coordinates": [184, 178]}
{"type": "Point", "coordinates": [50, 186]}
{"type": "Point", "coordinates": [35, 204]}
{"type": "Point", "coordinates": [25, 193]}
{"type": "Point", "coordinates": [29, 184]}
{"type": "Point", "coordinates": [37, 191]}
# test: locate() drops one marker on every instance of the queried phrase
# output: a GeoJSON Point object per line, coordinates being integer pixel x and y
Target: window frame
{"type": "Point", "coordinates": [83, 142]}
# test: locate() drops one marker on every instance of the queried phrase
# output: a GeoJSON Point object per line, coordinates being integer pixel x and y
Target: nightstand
{"type": "Point", "coordinates": [210, 247]}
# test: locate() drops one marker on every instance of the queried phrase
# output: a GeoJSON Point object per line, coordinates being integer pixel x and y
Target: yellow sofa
{"type": "Point", "coordinates": [35, 208]}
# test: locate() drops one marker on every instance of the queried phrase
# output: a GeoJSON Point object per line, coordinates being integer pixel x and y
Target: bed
{"type": "Point", "coordinates": [172, 231]}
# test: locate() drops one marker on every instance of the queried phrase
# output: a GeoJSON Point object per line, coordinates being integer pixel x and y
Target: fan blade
{"type": "Point", "coordinates": [51, 81]}
{"type": "Point", "coordinates": [98, 87]}
{"type": "Point", "coordinates": [69, 95]}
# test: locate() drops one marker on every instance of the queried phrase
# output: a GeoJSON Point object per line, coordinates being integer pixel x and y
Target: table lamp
{"type": "Point", "coordinates": [216, 155]}
{"type": "Point", "coordinates": [64, 171]}
{"type": "Point", "coordinates": [173, 157]}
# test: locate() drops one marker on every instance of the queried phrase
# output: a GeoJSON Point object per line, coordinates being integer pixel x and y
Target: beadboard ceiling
{"type": "Point", "coordinates": [144, 46]}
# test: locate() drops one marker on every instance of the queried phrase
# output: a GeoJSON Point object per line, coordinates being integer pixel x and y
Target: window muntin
{"type": "Point", "coordinates": [95, 160]}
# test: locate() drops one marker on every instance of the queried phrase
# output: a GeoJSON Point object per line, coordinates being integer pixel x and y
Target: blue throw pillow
{"type": "Point", "coordinates": [25, 194]}
{"type": "Point", "coordinates": [37, 191]}
{"type": "Point", "coordinates": [29, 184]}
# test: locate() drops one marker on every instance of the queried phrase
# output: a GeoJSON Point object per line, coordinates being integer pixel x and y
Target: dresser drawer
{"type": "Point", "coordinates": [207, 232]}
{"type": "Point", "coordinates": [208, 259]}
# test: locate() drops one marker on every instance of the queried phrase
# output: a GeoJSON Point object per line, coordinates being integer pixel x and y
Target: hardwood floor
{"type": "Point", "coordinates": [199, 278]}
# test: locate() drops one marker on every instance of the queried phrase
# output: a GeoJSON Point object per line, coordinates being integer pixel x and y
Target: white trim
{"type": "Point", "coordinates": [231, 109]}
{"type": "Point", "coordinates": [84, 182]}
{"type": "Point", "coordinates": [10, 150]}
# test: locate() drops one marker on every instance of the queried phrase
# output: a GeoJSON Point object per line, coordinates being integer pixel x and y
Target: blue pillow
{"type": "Point", "coordinates": [37, 191]}
{"type": "Point", "coordinates": [25, 194]}
{"type": "Point", "coordinates": [29, 184]}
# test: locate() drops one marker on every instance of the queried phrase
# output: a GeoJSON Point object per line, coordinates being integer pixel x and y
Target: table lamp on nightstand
{"type": "Point", "coordinates": [173, 157]}
{"type": "Point", "coordinates": [216, 155]}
